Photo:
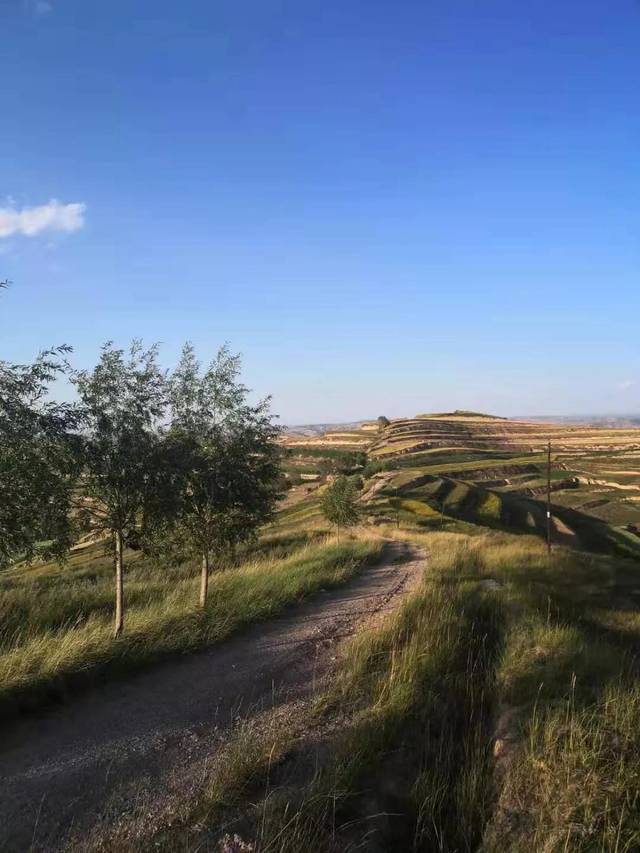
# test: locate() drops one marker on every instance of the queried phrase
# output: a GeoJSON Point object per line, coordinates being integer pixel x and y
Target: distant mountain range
{"type": "Point", "coordinates": [320, 429]}
{"type": "Point", "coordinates": [608, 421]}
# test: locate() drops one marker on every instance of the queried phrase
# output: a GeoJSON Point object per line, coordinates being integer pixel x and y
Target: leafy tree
{"type": "Point", "coordinates": [357, 481]}
{"type": "Point", "coordinates": [338, 503]}
{"type": "Point", "coordinates": [350, 461]}
{"type": "Point", "coordinates": [360, 459]}
{"type": "Point", "coordinates": [375, 466]}
{"type": "Point", "coordinates": [383, 422]}
{"type": "Point", "coordinates": [341, 463]}
{"type": "Point", "coordinates": [38, 463]}
{"type": "Point", "coordinates": [231, 474]}
{"type": "Point", "coordinates": [294, 478]}
{"type": "Point", "coordinates": [123, 399]}
{"type": "Point", "coordinates": [326, 467]}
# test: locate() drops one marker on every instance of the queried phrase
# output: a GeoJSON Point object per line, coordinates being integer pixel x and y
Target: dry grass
{"type": "Point", "coordinates": [414, 680]}
{"type": "Point", "coordinates": [576, 783]}
{"type": "Point", "coordinates": [65, 637]}
{"type": "Point", "coordinates": [496, 633]}
{"type": "Point", "coordinates": [499, 640]}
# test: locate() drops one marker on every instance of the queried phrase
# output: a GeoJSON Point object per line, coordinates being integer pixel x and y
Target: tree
{"type": "Point", "coordinates": [383, 422]}
{"type": "Point", "coordinates": [338, 503]}
{"type": "Point", "coordinates": [293, 478]}
{"type": "Point", "coordinates": [38, 462]}
{"type": "Point", "coordinates": [231, 474]}
{"type": "Point", "coordinates": [123, 399]}
{"type": "Point", "coordinates": [344, 462]}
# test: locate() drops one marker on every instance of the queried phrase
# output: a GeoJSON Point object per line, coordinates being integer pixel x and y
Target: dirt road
{"type": "Point", "coordinates": [58, 771]}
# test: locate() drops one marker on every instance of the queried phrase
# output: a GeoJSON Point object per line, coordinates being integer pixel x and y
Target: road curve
{"type": "Point", "coordinates": [60, 768]}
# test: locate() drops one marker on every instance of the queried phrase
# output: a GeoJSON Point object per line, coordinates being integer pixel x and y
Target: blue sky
{"type": "Point", "coordinates": [387, 207]}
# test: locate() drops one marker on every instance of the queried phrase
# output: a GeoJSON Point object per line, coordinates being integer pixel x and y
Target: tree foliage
{"type": "Point", "coordinates": [338, 503]}
{"type": "Point", "coordinates": [230, 462]}
{"type": "Point", "coordinates": [140, 455]}
{"type": "Point", "coordinates": [123, 399]}
{"type": "Point", "coordinates": [38, 462]}
{"type": "Point", "coordinates": [344, 462]}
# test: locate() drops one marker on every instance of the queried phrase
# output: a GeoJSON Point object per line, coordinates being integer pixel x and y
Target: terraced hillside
{"type": "Point", "coordinates": [482, 432]}
{"type": "Point", "coordinates": [493, 471]}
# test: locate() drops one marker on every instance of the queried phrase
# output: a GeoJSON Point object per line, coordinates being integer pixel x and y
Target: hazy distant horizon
{"type": "Point", "coordinates": [572, 416]}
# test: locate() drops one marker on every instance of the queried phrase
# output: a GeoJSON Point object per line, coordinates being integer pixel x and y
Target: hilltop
{"type": "Point", "coordinates": [492, 470]}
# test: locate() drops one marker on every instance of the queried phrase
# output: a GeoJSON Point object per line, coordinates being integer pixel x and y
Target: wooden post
{"type": "Point", "coordinates": [119, 564]}
{"type": "Point", "coordinates": [549, 498]}
{"type": "Point", "coordinates": [204, 579]}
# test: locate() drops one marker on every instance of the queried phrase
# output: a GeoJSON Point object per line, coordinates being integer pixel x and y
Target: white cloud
{"type": "Point", "coordinates": [625, 385]}
{"type": "Point", "coordinates": [31, 221]}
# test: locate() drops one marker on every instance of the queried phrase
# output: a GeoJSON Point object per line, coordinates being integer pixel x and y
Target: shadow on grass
{"type": "Point", "coordinates": [465, 501]}
{"type": "Point", "coordinates": [412, 768]}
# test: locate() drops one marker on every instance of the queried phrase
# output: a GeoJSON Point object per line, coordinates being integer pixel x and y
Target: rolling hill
{"type": "Point", "coordinates": [493, 471]}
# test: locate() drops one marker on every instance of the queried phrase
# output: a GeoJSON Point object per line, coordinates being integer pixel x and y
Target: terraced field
{"type": "Point", "coordinates": [493, 471]}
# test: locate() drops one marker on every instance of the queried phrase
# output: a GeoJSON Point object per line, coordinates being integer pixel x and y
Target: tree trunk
{"type": "Point", "coordinates": [119, 622]}
{"type": "Point", "coordinates": [204, 579]}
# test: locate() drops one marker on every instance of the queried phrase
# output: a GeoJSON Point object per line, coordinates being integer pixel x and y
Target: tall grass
{"type": "Point", "coordinates": [576, 783]}
{"type": "Point", "coordinates": [58, 631]}
{"type": "Point", "coordinates": [408, 769]}
{"type": "Point", "coordinates": [419, 693]}
{"type": "Point", "coordinates": [497, 710]}
{"type": "Point", "coordinates": [45, 597]}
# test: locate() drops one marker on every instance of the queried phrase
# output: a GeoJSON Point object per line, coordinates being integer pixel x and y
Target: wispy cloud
{"type": "Point", "coordinates": [30, 221]}
{"type": "Point", "coordinates": [626, 384]}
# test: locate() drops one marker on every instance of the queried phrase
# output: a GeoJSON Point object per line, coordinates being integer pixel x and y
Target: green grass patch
{"type": "Point", "coordinates": [498, 709]}
{"type": "Point", "coordinates": [419, 508]}
{"type": "Point", "coordinates": [489, 507]}
{"type": "Point", "coordinates": [64, 634]}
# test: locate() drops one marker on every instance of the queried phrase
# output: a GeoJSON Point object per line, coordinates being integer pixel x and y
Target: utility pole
{"type": "Point", "coordinates": [549, 498]}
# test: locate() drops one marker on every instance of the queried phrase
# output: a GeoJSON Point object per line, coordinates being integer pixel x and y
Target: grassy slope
{"type": "Point", "coordinates": [498, 508]}
{"type": "Point", "coordinates": [499, 708]}
{"type": "Point", "coordinates": [608, 457]}
{"type": "Point", "coordinates": [56, 623]}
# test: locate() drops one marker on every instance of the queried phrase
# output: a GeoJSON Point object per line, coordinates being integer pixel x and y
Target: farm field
{"type": "Point", "coordinates": [463, 463]}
